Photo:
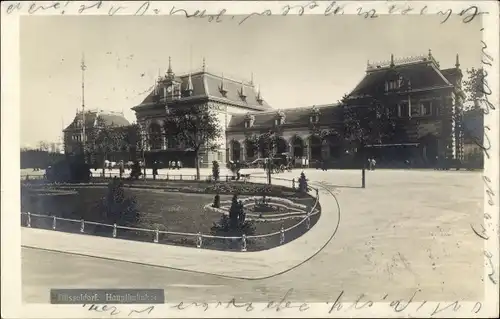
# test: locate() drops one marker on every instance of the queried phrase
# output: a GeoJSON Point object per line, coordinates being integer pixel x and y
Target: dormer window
{"type": "Point", "coordinates": [223, 91]}
{"type": "Point", "coordinates": [280, 118]}
{"type": "Point", "coordinates": [314, 117]}
{"type": "Point", "coordinates": [249, 120]}
{"type": "Point", "coordinates": [393, 84]}
{"type": "Point", "coordinates": [242, 95]}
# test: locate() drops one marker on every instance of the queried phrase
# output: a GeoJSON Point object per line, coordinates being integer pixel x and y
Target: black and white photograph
{"type": "Point", "coordinates": [305, 159]}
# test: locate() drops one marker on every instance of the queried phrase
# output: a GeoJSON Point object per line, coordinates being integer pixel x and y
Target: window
{"type": "Point", "coordinates": [403, 109]}
{"type": "Point", "coordinates": [219, 156]}
{"type": "Point", "coordinates": [277, 122]}
{"type": "Point", "coordinates": [314, 118]}
{"type": "Point", "coordinates": [392, 85]}
{"type": "Point", "coordinates": [415, 109]}
{"type": "Point", "coordinates": [426, 108]}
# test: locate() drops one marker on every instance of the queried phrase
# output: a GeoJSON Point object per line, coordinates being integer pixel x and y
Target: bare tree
{"type": "Point", "coordinates": [43, 146]}
{"type": "Point", "coordinates": [197, 127]}
{"type": "Point", "coordinates": [103, 140]}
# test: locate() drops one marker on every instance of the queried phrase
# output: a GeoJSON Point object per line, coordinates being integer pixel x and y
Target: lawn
{"type": "Point", "coordinates": [166, 210]}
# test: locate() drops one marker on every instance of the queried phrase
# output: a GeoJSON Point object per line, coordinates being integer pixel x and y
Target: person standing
{"type": "Point", "coordinates": [122, 169]}
{"type": "Point", "coordinates": [155, 169]}
{"type": "Point", "coordinates": [374, 163]}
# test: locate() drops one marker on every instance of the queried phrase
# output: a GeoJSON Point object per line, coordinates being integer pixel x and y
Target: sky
{"type": "Point", "coordinates": [296, 61]}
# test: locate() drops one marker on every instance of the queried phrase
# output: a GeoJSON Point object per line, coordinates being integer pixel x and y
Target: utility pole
{"type": "Point", "coordinates": [84, 137]}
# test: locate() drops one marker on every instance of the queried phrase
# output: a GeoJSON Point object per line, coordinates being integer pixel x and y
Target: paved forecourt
{"type": "Point", "coordinates": [249, 265]}
{"type": "Point", "coordinates": [408, 232]}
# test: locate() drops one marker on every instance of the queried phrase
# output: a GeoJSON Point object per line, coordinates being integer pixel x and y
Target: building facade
{"type": "Point", "coordinates": [425, 100]}
{"type": "Point", "coordinates": [74, 132]}
{"type": "Point", "coordinates": [227, 97]}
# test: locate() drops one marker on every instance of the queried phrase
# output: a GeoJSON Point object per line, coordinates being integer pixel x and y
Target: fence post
{"type": "Point", "coordinates": [54, 222]}
{"type": "Point", "coordinates": [167, 176]}
{"type": "Point", "coordinates": [282, 236]}
{"type": "Point", "coordinates": [156, 235]}
{"type": "Point", "coordinates": [244, 242]}
{"type": "Point", "coordinates": [293, 183]}
{"type": "Point", "coordinates": [181, 177]}
{"type": "Point", "coordinates": [194, 177]}
{"type": "Point", "coordinates": [308, 221]}
{"type": "Point", "coordinates": [114, 230]}
{"type": "Point", "coordinates": [28, 222]}
{"type": "Point", "coordinates": [199, 242]}
{"type": "Point", "coordinates": [227, 178]}
{"type": "Point", "coordinates": [82, 226]}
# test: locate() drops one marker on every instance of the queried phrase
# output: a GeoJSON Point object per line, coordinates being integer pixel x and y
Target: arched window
{"type": "Point", "coordinates": [298, 146]}
{"type": "Point", "coordinates": [155, 136]}
{"type": "Point", "coordinates": [316, 146]}
{"type": "Point", "coordinates": [235, 151]}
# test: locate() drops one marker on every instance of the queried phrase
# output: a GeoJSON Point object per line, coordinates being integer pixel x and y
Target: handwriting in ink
{"type": "Point", "coordinates": [334, 8]}
{"type": "Point", "coordinates": [489, 190]}
{"type": "Point", "coordinates": [311, 5]}
{"type": "Point", "coordinates": [142, 9]}
{"type": "Point", "coordinates": [112, 310]}
{"type": "Point", "coordinates": [182, 306]}
{"type": "Point", "coordinates": [468, 14]}
{"type": "Point", "coordinates": [396, 305]}
{"type": "Point", "coordinates": [481, 235]}
{"type": "Point", "coordinates": [477, 307]}
{"type": "Point", "coordinates": [284, 303]}
{"type": "Point", "coordinates": [34, 7]}
{"type": "Point", "coordinates": [96, 4]}
{"type": "Point", "coordinates": [356, 305]}
{"type": "Point", "coordinates": [200, 14]}
{"type": "Point", "coordinates": [488, 255]}
{"type": "Point", "coordinates": [337, 304]}
{"type": "Point", "coordinates": [147, 310]}
{"type": "Point", "coordinates": [263, 13]}
{"type": "Point", "coordinates": [370, 14]}
{"type": "Point", "coordinates": [456, 306]}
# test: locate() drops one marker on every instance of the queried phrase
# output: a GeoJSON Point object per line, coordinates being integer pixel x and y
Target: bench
{"type": "Point", "coordinates": [245, 177]}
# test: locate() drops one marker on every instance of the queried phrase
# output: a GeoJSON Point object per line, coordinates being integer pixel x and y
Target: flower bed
{"type": "Point", "coordinates": [171, 206]}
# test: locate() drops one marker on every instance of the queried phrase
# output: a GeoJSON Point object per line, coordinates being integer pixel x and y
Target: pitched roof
{"type": "Point", "coordinates": [452, 74]}
{"type": "Point", "coordinates": [207, 85]}
{"type": "Point", "coordinates": [422, 72]}
{"type": "Point", "coordinates": [109, 119]}
{"type": "Point", "coordinates": [295, 117]}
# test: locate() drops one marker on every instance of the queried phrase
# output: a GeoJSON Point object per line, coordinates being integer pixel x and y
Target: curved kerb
{"type": "Point", "coordinates": [237, 265]}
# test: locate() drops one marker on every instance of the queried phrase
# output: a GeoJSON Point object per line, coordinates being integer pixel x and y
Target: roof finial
{"type": "Point", "coordinates": [170, 73]}
{"type": "Point", "coordinates": [430, 53]}
{"type": "Point", "coordinates": [392, 60]}
{"type": "Point", "coordinates": [457, 62]}
{"type": "Point", "coordinates": [259, 97]}
{"type": "Point", "coordinates": [204, 65]}
{"type": "Point", "coordinates": [222, 90]}
{"type": "Point", "coordinates": [251, 78]}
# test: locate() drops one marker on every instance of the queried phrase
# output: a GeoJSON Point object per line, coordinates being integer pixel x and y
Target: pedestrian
{"type": "Point", "coordinates": [374, 163]}
{"type": "Point", "coordinates": [122, 169]}
{"type": "Point", "coordinates": [155, 169]}
{"type": "Point", "coordinates": [370, 163]}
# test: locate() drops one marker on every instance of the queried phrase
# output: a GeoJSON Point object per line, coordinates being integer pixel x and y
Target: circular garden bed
{"type": "Point", "coordinates": [178, 207]}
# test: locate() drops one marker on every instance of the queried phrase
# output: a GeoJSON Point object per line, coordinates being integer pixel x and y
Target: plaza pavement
{"type": "Point", "coordinates": [247, 265]}
{"type": "Point", "coordinates": [407, 230]}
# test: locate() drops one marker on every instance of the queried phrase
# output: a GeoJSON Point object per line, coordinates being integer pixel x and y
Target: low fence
{"type": "Point", "coordinates": [33, 220]}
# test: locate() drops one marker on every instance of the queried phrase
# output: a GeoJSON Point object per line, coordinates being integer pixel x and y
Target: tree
{"type": "Point", "coordinates": [104, 139]}
{"type": "Point", "coordinates": [252, 144]}
{"type": "Point", "coordinates": [474, 88]}
{"type": "Point", "coordinates": [43, 145]}
{"type": "Point", "coordinates": [197, 127]}
{"type": "Point", "coordinates": [267, 143]}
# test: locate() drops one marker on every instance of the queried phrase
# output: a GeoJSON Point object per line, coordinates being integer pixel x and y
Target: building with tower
{"type": "Point", "coordinates": [426, 101]}
{"type": "Point", "coordinates": [228, 97]}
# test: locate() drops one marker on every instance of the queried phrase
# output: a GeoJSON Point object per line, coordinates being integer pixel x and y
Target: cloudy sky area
{"type": "Point", "coordinates": [297, 61]}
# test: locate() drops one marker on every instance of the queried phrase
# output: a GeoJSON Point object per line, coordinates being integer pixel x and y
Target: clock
{"type": "Point", "coordinates": [169, 89]}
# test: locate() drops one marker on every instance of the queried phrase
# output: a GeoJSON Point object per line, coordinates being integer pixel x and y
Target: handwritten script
{"type": "Point", "coordinates": [283, 304]}
{"type": "Point", "coordinates": [486, 230]}
{"type": "Point", "coordinates": [468, 14]}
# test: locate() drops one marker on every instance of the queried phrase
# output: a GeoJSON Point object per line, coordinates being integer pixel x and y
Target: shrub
{"type": "Point", "coordinates": [215, 170]}
{"type": "Point", "coordinates": [216, 203]}
{"type": "Point", "coordinates": [303, 188]}
{"type": "Point", "coordinates": [117, 208]}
